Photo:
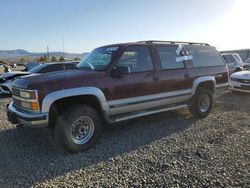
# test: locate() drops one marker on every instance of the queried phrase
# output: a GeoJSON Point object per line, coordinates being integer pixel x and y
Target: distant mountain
{"type": "Point", "coordinates": [24, 53]}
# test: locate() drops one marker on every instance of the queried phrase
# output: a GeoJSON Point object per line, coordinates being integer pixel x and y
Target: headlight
{"type": "Point", "coordinates": [28, 94]}
{"type": "Point", "coordinates": [233, 79]}
{"type": "Point", "coordinates": [26, 99]}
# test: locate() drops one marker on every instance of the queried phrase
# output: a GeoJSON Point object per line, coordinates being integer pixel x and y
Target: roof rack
{"type": "Point", "coordinates": [173, 42]}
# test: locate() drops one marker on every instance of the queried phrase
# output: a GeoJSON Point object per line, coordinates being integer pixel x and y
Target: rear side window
{"type": "Point", "coordinates": [167, 55]}
{"type": "Point", "coordinates": [69, 66]}
{"type": "Point", "coordinates": [205, 56]}
{"type": "Point", "coordinates": [54, 67]}
{"type": "Point", "coordinates": [137, 58]}
{"type": "Point", "coordinates": [229, 59]}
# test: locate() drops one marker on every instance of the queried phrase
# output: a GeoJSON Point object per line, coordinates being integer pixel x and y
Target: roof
{"type": "Point", "coordinates": [158, 42]}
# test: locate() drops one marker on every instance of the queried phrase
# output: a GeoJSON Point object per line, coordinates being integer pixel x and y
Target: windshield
{"type": "Point", "coordinates": [98, 59]}
{"type": "Point", "coordinates": [38, 68]}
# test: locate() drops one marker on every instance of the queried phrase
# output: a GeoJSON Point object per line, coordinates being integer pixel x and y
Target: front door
{"type": "Point", "coordinates": [131, 92]}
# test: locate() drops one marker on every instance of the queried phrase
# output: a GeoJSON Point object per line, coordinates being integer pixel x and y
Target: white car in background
{"type": "Point", "coordinates": [233, 61]}
{"type": "Point", "coordinates": [240, 81]}
{"type": "Point", "coordinates": [246, 64]}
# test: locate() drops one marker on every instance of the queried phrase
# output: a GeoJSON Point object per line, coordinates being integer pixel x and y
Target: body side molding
{"type": "Point", "coordinates": [54, 96]}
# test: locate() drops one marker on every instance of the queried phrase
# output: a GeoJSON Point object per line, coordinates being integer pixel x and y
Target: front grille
{"type": "Point", "coordinates": [16, 103]}
{"type": "Point", "coordinates": [15, 92]}
{"type": "Point", "coordinates": [241, 80]}
{"type": "Point", "coordinates": [243, 87]}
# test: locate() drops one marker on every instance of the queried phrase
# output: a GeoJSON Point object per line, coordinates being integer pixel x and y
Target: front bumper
{"type": "Point", "coordinates": [238, 86]}
{"type": "Point", "coordinates": [30, 119]}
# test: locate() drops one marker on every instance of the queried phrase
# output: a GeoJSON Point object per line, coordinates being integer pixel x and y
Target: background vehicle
{"type": "Point", "coordinates": [233, 61]}
{"type": "Point", "coordinates": [116, 83]}
{"type": "Point", "coordinates": [6, 78]}
{"type": "Point", "coordinates": [240, 81]}
{"type": "Point", "coordinates": [246, 64]}
{"type": "Point", "coordinates": [243, 53]}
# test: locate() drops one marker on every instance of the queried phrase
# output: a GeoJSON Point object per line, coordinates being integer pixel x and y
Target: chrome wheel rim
{"type": "Point", "coordinates": [204, 103]}
{"type": "Point", "coordinates": [82, 130]}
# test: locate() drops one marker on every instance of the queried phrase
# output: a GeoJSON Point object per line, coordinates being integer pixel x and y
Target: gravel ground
{"type": "Point", "coordinates": [170, 149]}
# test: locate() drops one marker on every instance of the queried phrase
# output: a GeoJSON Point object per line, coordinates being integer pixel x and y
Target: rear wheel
{"type": "Point", "coordinates": [78, 128]}
{"type": "Point", "coordinates": [202, 102]}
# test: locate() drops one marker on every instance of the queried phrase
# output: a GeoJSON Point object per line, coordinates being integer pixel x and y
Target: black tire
{"type": "Point", "coordinates": [237, 70]}
{"type": "Point", "coordinates": [66, 123]}
{"type": "Point", "coordinates": [195, 106]}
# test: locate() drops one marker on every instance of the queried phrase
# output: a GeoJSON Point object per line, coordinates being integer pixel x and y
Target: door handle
{"type": "Point", "coordinates": [186, 75]}
{"type": "Point", "coordinates": [155, 78]}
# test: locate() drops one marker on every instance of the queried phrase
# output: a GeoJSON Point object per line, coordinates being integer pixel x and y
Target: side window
{"type": "Point", "coordinates": [69, 66]}
{"type": "Point", "coordinates": [137, 58]}
{"type": "Point", "coordinates": [52, 68]}
{"type": "Point", "coordinates": [229, 59]}
{"type": "Point", "coordinates": [205, 56]}
{"type": "Point", "coordinates": [167, 55]}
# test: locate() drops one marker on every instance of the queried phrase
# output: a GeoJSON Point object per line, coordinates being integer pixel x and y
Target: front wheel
{"type": "Point", "coordinates": [78, 128]}
{"type": "Point", "coordinates": [202, 103]}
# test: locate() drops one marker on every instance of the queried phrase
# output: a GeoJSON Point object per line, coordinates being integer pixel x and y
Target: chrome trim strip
{"type": "Point", "coordinates": [149, 113]}
{"type": "Point", "coordinates": [148, 105]}
{"type": "Point", "coordinates": [140, 99]}
{"type": "Point", "coordinates": [147, 100]}
{"type": "Point", "coordinates": [222, 85]}
{"type": "Point", "coordinates": [24, 99]}
{"type": "Point", "coordinates": [21, 89]}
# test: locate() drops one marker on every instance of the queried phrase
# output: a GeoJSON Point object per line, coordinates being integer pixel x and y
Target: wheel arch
{"type": "Point", "coordinates": [208, 81]}
{"type": "Point", "coordinates": [75, 92]}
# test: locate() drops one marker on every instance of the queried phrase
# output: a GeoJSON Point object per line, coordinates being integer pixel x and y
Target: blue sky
{"type": "Point", "coordinates": [86, 24]}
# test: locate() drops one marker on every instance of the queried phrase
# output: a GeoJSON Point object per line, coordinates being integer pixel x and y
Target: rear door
{"type": "Point", "coordinates": [175, 76]}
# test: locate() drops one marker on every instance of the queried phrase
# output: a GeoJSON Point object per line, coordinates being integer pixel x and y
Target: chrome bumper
{"type": "Point", "coordinates": [30, 119]}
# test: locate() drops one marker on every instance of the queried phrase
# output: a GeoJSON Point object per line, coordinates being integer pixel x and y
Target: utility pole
{"type": "Point", "coordinates": [63, 45]}
{"type": "Point", "coordinates": [48, 52]}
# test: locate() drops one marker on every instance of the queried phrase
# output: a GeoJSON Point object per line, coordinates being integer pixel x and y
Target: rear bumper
{"type": "Point", "coordinates": [30, 119]}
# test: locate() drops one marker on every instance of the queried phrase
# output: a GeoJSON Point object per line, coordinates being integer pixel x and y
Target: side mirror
{"type": "Point", "coordinates": [117, 71]}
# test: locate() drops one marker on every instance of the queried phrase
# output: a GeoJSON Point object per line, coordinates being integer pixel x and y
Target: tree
{"type": "Point", "coordinates": [77, 59]}
{"type": "Point", "coordinates": [43, 59]}
{"type": "Point", "coordinates": [22, 60]}
{"type": "Point", "coordinates": [61, 59]}
{"type": "Point", "coordinates": [53, 59]}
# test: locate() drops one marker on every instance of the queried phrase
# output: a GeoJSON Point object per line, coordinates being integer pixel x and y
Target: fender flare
{"type": "Point", "coordinates": [201, 80]}
{"type": "Point", "coordinates": [54, 96]}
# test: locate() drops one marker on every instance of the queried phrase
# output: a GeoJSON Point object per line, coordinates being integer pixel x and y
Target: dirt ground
{"type": "Point", "coordinates": [170, 149]}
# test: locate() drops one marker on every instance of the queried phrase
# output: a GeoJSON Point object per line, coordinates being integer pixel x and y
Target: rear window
{"type": "Point", "coordinates": [229, 59]}
{"type": "Point", "coordinates": [205, 56]}
{"type": "Point", "coordinates": [167, 55]}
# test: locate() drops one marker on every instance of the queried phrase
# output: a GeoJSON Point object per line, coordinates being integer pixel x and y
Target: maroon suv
{"type": "Point", "coordinates": [116, 83]}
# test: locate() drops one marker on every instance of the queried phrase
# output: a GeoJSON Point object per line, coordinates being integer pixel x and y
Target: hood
{"type": "Point", "coordinates": [9, 75]}
{"type": "Point", "coordinates": [59, 80]}
{"type": "Point", "coordinates": [241, 75]}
